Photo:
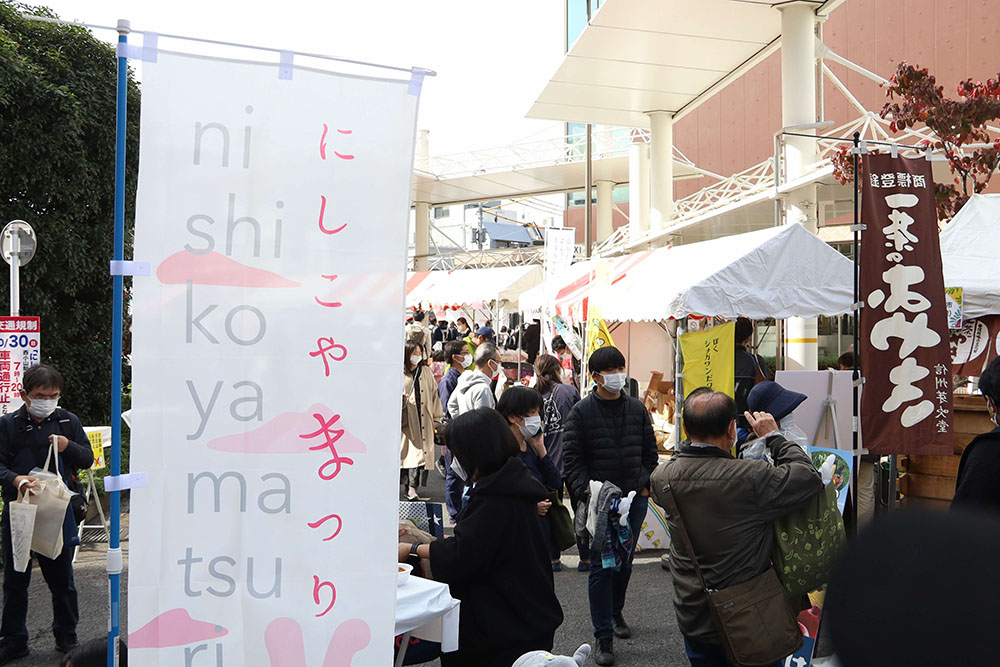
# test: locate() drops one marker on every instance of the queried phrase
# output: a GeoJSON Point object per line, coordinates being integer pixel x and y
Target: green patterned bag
{"type": "Point", "coordinates": [807, 543]}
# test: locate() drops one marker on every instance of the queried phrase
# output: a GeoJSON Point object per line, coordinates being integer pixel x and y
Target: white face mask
{"type": "Point", "coordinates": [42, 408]}
{"type": "Point", "coordinates": [532, 426]}
{"type": "Point", "coordinates": [466, 361]}
{"type": "Point", "coordinates": [415, 360]}
{"type": "Point", "coordinates": [613, 382]}
{"type": "Point", "coordinates": [457, 468]}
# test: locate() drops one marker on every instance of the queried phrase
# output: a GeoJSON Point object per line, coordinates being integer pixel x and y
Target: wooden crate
{"type": "Point", "coordinates": [929, 481]}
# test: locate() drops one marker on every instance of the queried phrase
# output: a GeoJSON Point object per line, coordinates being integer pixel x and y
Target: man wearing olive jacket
{"type": "Point", "coordinates": [608, 437]}
{"type": "Point", "coordinates": [728, 506]}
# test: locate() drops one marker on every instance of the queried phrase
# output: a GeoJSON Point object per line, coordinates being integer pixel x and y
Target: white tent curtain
{"type": "Point", "coordinates": [970, 245]}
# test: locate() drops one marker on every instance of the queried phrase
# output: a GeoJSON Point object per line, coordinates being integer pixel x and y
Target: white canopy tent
{"type": "Point", "coordinates": [970, 245]}
{"type": "Point", "coordinates": [777, 272]}
{"type": "Point", "coordinates": [471, 287]}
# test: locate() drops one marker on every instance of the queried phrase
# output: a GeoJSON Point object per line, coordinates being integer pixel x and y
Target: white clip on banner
{"type": "Point", "coordinates": [136, 480]}
{"type": "Point", "coordinates": [149, 45]}
{"type": "Point", "coordinates": [126, 268]}
{"type": "Point", "coordinates": [146, 52]}
{"type": "Point", "coordinates": [417, 75]}
{"type": "Point", "coordinates": [285, 66]}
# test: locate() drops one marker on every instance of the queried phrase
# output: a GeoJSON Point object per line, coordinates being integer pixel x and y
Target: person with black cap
{"type": "Point", "coordinates": [780, 403]}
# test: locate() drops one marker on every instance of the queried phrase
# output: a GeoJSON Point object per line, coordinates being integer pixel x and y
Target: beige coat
{"type": "Point", "coordinates": [416, 448]}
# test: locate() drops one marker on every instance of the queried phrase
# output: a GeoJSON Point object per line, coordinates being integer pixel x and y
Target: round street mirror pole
{"type": "Point", "coordinates": [18, 246]}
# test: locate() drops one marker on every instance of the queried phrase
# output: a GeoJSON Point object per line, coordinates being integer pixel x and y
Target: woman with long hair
{"type": "Point", "coordinates": [496, 563]}
{"type": "Point", "coordinates": [557, 400]}
{"type": "Point", "coordinates": [421, 410]}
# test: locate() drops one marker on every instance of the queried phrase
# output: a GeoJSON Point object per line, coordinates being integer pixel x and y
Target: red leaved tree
{"type": "Point", "coordinates": [959, 127]}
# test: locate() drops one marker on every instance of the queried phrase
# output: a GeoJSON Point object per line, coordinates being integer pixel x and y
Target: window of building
{"type": "Point", "coordinates": [441, 212]}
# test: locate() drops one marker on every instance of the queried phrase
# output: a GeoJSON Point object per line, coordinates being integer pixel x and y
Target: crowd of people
{"type": "Point", "coordinates": [516, 451]}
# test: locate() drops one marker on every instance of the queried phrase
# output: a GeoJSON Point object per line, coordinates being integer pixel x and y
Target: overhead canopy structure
{"type": "Point", "coordinates": [778, 272]}
{"type": "Point", "coordinates": [568, 175]}
{"type": "Point", "coordinates": [637, 56]}
{"type": "Point", "coordinates": [470, 287]}
{"type": "Point", "coordinates": [970, 245]}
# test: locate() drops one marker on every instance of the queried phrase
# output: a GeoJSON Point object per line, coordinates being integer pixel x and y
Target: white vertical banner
{"type": "Point", "coordinates": [560, 244]}
{"type": "Point", "coordinates": [267, 351]}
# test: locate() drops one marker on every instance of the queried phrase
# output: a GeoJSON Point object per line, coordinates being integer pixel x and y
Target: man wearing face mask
{"type": "Point", "coordinates": [728, 506]}
{"type": "Point", "coordinates": [24, 443]}
{"type": "Point", "coordinates": [978, 483]}
{"type": "Point", "coordinates": [458, 358]}
{"type": "Point", "coordinates": [608, 437]}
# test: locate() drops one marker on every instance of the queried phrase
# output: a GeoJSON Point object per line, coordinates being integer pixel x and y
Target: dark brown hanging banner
{"type": "Point", "coordinates": [905, 356]}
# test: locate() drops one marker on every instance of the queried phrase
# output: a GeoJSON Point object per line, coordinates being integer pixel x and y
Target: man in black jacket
{"type": "Point", "coordinates": [24, 443]}
{"type": "Point", "coordinates": [978, 483]}
{"type": "Point", "coordinates": [608, 437]}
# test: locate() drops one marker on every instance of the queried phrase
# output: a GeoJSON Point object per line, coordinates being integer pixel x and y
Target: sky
{"type": "Point", "coordinates": [491, 58]}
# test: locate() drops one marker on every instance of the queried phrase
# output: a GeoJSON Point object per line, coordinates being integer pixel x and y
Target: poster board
{"type": "Point", "coordinates": [815, 384]}
{"type": "Point", "coordinates": [272, 207]}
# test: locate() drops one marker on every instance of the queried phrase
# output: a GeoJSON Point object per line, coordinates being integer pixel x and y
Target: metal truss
{"type": "Point", "coordinates": [608, 142]}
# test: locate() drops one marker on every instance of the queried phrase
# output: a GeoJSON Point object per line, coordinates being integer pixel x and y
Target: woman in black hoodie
{"type": "Point", "coordinates": [497, 563]}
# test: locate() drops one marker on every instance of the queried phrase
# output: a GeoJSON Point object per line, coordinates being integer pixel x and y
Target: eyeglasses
{"type": "Point", "coordinates": [45, 397]}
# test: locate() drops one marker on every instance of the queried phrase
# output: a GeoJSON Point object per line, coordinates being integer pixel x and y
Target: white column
{"type": "Point", "coordinates": [661, 169]}
{"type": "Point", "coordinates": [422, 236]}
{"type": "Point", "coordinates": [798, 107]}
{"type": "Point", "coordinates": [638, 189]}
{"type": "Point", "coordinates": [605, 209]}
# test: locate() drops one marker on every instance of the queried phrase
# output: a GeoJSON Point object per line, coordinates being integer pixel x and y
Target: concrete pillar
{"type": "Point", "coordinates": [638, 189]}
{"type": "Point", "coordinates": [798, 107]}
{"type": "Point", "coordinates": [422, 235]}
{"type": "Point", "coordinates": [605, 209]}
{"type": "Point", "coordinates": [661, 169]}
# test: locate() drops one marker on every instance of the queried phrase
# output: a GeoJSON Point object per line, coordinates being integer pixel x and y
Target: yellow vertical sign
{"type": "Point", "coordinates": [598, 335]}
{"type": "Point", "coordinates": [96, 446]}
{"type": "Point", "coordinates": [708, 359]}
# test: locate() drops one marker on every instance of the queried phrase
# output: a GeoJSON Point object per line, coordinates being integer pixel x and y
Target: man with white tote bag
{"type": "Point", "coordinates": [26, 437]}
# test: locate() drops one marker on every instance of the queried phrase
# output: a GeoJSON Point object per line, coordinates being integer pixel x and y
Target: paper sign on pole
{"type": "Point", "coordinates": [708, 359]}
{"type": "Point", "coordinates": [19, 351]}
{"type": "Point", "coordinates": [266, 356]}
{"type": "Point", "coordinates": [560, 244]}
{"type": "Point", "coordinates": [953, 301]}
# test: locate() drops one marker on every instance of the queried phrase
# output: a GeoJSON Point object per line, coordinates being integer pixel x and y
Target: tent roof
{"type": "Point", "coordinates": [776, 272]}
{"type": "Point", "coordinates": [567, 293]}
{"type": "Point", "coordinates": [467, 287]}
{"type": "Point", "coordinates": [970, 245]}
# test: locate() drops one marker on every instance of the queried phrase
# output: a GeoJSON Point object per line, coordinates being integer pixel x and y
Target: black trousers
{"type": "Point", "coordinates": [58, 575]}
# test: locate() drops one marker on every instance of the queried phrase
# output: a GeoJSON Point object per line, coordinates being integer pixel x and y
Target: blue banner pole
{"type": "Point", "coordinates": [114, 548]}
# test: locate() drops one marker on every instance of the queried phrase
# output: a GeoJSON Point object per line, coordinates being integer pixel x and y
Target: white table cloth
{"type": "Point", "coordinates": [426, 610]}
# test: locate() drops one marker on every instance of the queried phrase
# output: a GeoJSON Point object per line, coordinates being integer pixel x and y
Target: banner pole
{"type": "Point", "coordinates": [114, 565]}
{"type": "Point", "coordinates": [856, 374]}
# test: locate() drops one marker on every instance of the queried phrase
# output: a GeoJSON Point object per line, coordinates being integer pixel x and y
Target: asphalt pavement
{"type": "Point", "coordinates": [649, 610]}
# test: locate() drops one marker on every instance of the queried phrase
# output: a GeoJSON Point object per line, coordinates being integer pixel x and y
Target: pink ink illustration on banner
{"type": "Point", "coordinates": [282, 435]}
{"type": "Point", "coordinates": [174, 628]}
{"type": "Point", "coordinates": [216, 269]}
{"type": "Point", "coordinates": [286, 646]}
